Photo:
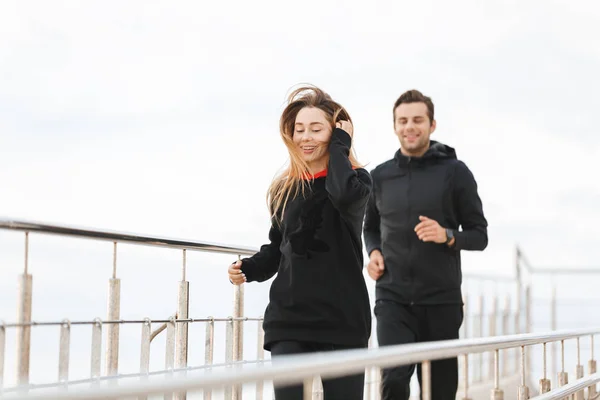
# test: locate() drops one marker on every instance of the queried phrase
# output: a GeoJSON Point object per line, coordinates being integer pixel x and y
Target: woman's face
{"type": "Point", "coordinates": [312, 133]}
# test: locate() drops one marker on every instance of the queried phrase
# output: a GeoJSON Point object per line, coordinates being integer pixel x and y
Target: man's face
{"type": "Point", "coordinates": [413, 128]}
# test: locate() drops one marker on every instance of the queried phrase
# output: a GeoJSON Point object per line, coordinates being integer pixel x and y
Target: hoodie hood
{"type": "Point", "coordinates": [436, 151]}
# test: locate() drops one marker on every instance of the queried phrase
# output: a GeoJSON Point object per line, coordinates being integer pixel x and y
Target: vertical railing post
{"type": "Point", "coordinates": [114, 314]}
{"type": "Point", "coordinates": [238, 331]}
{"type": "Point", "coordinates": [145, 346]}
{"type": "Point", "coordinates": [378, 378]}
{"type": "Point", "coordinates": [426, 379]}
{"type": "Point", "coordinates": [592, 390]}
{"type": "Point", "coordinates": [238, 327]}
{"type": "Point", "coordinates": [545, 384]}
{"type": "Point", "coordinates": [517, 330]}
{"type": "Point", "coordinates": [145, 352]}
{"type": "Point", "coordinates": [63, 353]}
{"type": "Point", "coordinates": [528, 320]}
{"type": "Point", "coordinates": [209, 347]}
{"type": "Point", "coordinates": [260, 355]}
{"type": "Point", "coordinates": [376, 371]}
{"type": "Point", "coordinates": [229, 355]}
{"type": "Point", "coordinates": [307, 389]}
{"type": "Point", "coordinates": [182, 313]}
{"type": "Point", "coordinates": [96, 357]}
{"type": "Point", "coordinates": [480, 334]}
{"type": "Point", "coordinates": [368, 389]}
{"type": "Point", "coordinates": [170, 345]}
{"type": "Point", "coordinates": [578, 372]}
{"type": "Point", "coordinates": [505, 331]}
{"type": "Point", "coordinates": [563, 376]}
{"type": "Point", "coordinates": [182, 327]}
{"type": "Point", "coordinates": [170, 351]}
{"type": "Point", "coordinates": [492, 332]}
{"type": "Point", "coordinates": [497, 393]}
{"type": "Point", "coordinates": [528, 327]}
{"type": "Point", "coordinates": [523, 389]}
{"type": "Point", "coordinates": [519, 302]}
{"type": "Point", "coordinates": [466, 377]}
{"type": "Point", "coordinates": [24, 320]}
{"type": "Point", "coordinates": [317, 388]}
{"type": "Point", "coordinates": [554, 327]}
{"type": "Point", "coordinates": [465, 327]}
{"type": "Point", "coordinates": [2, 350]}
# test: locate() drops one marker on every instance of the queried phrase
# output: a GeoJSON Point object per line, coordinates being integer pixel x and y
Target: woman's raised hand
{"type": "Point", "coordinates": [345, 125]}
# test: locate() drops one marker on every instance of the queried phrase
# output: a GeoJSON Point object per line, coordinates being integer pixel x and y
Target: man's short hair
{"type": "Point", "coordinates": [414, 96]}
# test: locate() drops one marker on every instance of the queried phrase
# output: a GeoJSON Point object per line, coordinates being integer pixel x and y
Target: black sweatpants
{"type": "Point", "coordinates": [343, 388]}
{"type": "Point", "coordinates": [400, 324]}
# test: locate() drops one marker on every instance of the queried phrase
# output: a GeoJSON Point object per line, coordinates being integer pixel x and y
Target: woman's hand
{"type": "Point", "coordinates": [346, 126]}
{"type": "Point", "coordinates": [236, 276]}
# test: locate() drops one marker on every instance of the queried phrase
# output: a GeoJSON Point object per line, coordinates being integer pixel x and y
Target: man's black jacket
{"type": "Point", "coordinates": [438, 186]}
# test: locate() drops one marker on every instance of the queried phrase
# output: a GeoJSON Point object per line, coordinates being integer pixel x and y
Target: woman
{"type": "Point", "coordinates": [319, 300]}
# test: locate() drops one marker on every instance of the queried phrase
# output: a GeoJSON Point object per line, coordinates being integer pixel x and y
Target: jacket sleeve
{"type": "Point", "coordinates": [264, 264]}
{"type": "Point", "coordinates": [372, 229]}
{"type": "Point", "coordinates": [469, 211]}
{"type": "Point", "coordinates": [348, 189]}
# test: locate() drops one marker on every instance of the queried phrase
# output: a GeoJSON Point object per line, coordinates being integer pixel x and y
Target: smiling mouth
{"type": "Point", "coordinates": [308, 149]}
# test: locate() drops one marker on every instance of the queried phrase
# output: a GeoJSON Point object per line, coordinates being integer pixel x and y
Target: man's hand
{"type": "Point", "coordinates": [235, 273]}
{"type": "Point", "coordinates": [346, 126]}
{"type": "Point", "coordinates": [429, 230]}
{"type": "Point", "coordinates": [376, 266]}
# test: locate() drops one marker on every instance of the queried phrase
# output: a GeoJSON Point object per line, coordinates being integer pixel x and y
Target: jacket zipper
{"type": "Point", "coordinates": [409, 211]}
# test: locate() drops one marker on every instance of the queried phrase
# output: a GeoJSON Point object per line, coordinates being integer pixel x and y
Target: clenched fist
{"type": "Point", "coordinates": [376, 265]}
{"type": "Point", "coordinates": [236, 276]}
{"type": "Point", "coordinates": [429, 230]}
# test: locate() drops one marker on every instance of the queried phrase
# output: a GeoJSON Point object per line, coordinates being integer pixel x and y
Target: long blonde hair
{"type": "Point", "coordinates": [293, 180]}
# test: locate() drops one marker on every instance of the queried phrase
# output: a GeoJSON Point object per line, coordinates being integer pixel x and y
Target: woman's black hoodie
{"type": "Point", "coordinates": [319, 294]}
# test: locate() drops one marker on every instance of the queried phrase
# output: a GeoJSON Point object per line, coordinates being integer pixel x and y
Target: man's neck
{"type": "Point", "coordinates": [417, 154]}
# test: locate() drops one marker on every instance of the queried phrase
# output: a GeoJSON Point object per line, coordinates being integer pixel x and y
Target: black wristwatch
{"type": "Point", "coordinates": [449, 236]}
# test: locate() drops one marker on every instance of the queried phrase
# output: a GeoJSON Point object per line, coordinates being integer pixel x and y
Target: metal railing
{"type": "Point", "coordinates": [303, 368]}
{"type": "Point", "coordinates": [478, 367]}
{"type": "Point", "coordinates": [177, 327]}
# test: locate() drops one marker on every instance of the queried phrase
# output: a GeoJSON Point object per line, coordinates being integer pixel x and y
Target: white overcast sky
{"type": "Point", "coordinates": [162, 118]}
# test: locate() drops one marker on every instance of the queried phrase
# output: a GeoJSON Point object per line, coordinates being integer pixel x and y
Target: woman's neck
{"type": "Point", "coordinates": [317, 166]}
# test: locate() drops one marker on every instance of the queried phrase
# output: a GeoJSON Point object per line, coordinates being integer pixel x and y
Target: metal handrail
{"type": "Point", "coordinates": [298, 368]}
{"type": "Point", "coordinates": [570, 271]}
{"type": "Point", "coordinates": [571, 388]}
{"type": "Point", "coordinates": [129, 321]}
{"type": "Point", "coordinates": [161, 241]}
{"type": "Point", "coordinates": [112, 378]}
{"type": "Point", "coordinates": [115, 236]}
{"type": "Point", "coordinates": [549, 270]}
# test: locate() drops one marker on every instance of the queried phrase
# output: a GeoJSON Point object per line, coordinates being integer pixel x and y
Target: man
{"type": "Point", "coordinates": [419, 201]}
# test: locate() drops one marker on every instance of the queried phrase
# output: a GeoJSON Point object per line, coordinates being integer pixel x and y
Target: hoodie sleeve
{"type": "Point", "coordinates": [348, 189]}
{"type": "Point", "coordinates": [264, 264]}
{"type": "Point", "coordinates": [470, 211]}
{"type": "Point", "coordinates": [372, 230]}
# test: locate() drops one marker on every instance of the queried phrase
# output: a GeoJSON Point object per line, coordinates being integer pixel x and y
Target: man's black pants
{"type": "Point", "coordinates": [343, 388]}
{"type": "Point", "coordinates": [400, 324]}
